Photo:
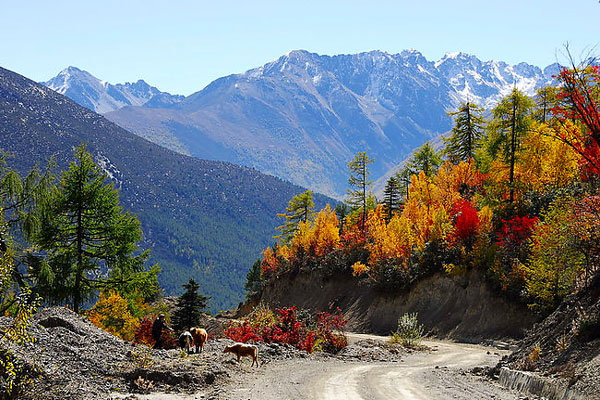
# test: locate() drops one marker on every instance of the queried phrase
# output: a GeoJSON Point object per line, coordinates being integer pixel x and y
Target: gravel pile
{"type": "Point", "coordinates": [372, 350]}
{"type": "Point", "coordinates": [77, 360]}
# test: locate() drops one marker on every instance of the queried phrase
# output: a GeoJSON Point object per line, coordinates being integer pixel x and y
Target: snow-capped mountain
{"type": "Point", "coordinates": [303, 116]}
{"type": "Point", "coordinates": [101, 96]}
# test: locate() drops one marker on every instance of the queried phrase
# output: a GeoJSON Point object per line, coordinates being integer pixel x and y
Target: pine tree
{"type": "Point", "coordinates": [253, 284]}
{"type": "Point", "coordinates": [299, 209]}
{"type": "Point", "coordinates": [466, 133]}
{"type": "Point", "coordinates": [189, 307]}
{"type": "Point", "coordinates": [359, 179]}
{"type": "Point", "coordinates": [403, 177]}
{"type": "Point", "coordinates": [511, 121]}
{"type": "Point", "coordinates": [341, 210]}
{"type": "Point", "coordinates": [89, 240]}
{"type": "Point", "coordinates": [391, 198]}
{"type": "Point", "coordinates": [425, 159]}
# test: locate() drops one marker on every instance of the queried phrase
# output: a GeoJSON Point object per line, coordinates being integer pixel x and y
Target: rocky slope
{"type": "Point", "coordinates": [202, 219]}
{"type": "Point", "coordinates": [565, 347]}
{"type": "Point", "coordinates": [304, 116]}
{"type": "Point", "coordinates": [79, 361]}
{"type": "Point", "coordinates": [463, 307]}
{"type": "Point", "coordinates": [101, 96]}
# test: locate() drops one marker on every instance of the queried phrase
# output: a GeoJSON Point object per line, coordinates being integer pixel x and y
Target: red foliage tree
{"type": "Point", "coordinates": [466, 222]}
{"type": "Point", "coordinates": [516, 231]}
{"type": "Point", "coordinates": [579, 100]}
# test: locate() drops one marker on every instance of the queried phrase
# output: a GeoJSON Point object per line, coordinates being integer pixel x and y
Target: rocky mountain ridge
{"type": "Point", "coordinates": [303, 116]}
{"type": "Point", "coordinates": [202, 219]}
{"type": "Point", "coordinates": [102, 96]}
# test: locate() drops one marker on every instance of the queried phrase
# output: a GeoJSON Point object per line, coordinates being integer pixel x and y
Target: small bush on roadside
{"type": "Point", "coordinates": [409, 332]}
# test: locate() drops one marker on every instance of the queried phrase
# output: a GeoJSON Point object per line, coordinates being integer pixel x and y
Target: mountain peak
{"type": "Point", "coordinates": [102, 96]}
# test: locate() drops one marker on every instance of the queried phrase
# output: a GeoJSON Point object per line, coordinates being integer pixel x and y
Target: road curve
{"type": "Point", "coordinates": [436, 374]}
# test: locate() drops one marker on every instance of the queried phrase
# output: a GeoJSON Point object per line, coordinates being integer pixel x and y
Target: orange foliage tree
{"type": "Point", "coordinates": [111, 313]}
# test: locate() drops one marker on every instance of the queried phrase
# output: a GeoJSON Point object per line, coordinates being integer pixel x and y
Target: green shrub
{"type": "Point", "coordinates": [409, 332]}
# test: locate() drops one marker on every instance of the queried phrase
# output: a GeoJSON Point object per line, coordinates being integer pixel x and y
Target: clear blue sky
{"type": "Point", "coordinates": [180, 46]}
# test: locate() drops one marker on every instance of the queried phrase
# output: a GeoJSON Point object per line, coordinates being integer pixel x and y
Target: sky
{"type": "Point", "coordinates": [181, 46]}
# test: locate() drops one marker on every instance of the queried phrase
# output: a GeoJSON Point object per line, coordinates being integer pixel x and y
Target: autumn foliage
{"type": "Point", "coordinates": [143, 334]}
{"type": "Point", "coordinates": [112, 314]}
{"type": "Point", "coordinates": [323, 332]}
{"type": "Point", "coordinates": [524, 210]}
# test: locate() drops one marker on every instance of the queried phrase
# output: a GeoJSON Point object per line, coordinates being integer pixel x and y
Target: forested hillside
{"type": "Point", "coordinates": [202, 219]}
{"type": "Point", "coordinates": [514, 197]}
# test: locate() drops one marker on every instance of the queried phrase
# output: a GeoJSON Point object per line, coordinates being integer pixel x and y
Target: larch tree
{"type": "Point", "coordinates": [299, 209]}
{"type": "Point", "coordinates": [546, 98]}
{"type": "Point", "coordinates": [359, 182]}
{"type": "Point", "coordinates": [466, 134]}
{"type": "Point", "coordinates": [89, 241]}
{"type": "Point", "coordinates": [425, 159]}
{"type": "Point", "coordinates": [189, 307]}
{"type": "Point", "coordinates": [511, 121]}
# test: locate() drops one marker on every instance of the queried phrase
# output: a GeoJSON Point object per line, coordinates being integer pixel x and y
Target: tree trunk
{"type": "Point", "coordinates": [513, 150]}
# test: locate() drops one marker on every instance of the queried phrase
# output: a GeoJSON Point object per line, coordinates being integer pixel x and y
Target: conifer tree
{"type": "Point", "coordinates": [89, 240]}
{"type": "Point", "coordinates": [403, 178]}
{"type": "Point", "coordinates": [511, 121]}
{"type": "Point", "coordinates": [253, 284]}
{"type": "Point", "coordinates": [425, 159]}
{"type": "Point", "coordinates": [341, 210]}
{"type": "Point", "coordinates": [299, 209]}
{"type": "Point", "coordinates": [466, 133]}
{"type": "Point", "coordinates": [359, 180]}
{"type": "Point", "coordinates": [391, 198]}
{"type": "Point", "coordinates": [189, 307]}
{"type": "Point", "coordinates": [546, 99]}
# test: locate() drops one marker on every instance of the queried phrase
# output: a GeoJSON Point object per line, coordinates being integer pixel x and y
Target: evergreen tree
{"type": "Point", "coordinates": [253, 284]}
{"type": "Point", "coordinates": [189, 307]}
{"type": "Point", "coordinates": [466, 133]}
{"type": "Point", "coordinates": [511, 121]}
{"type": "Point", "coordinates": [359, 179]}
{"type": "Point", "coordinates": [299, 209]}
{"type": "Point", "coordinates": [391, 198]}
{"type": "Point", "coordinates": [403, 178]}
{"type": "Point", "coordinates": [341, 210]}
{"type": "Point", "coordinates": [425, 159]}
{"type": "Point", "coordinates": [89, 240]}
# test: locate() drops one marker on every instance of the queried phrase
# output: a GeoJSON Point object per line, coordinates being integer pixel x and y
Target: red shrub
{"type": "Point", "coordinates": [466, 221]}
{"type": "Point", "coordinates": [287, 328]}
{"type": "Point", "coordinates": [516, 231]}
{"type": "Point", "coordinates": [143, 335]}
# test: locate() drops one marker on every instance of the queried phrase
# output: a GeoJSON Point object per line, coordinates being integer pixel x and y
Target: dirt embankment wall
{"type": "Point", "coordinates": [463, 307]}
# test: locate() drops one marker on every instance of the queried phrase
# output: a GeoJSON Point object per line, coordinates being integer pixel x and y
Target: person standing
{"type": "Point", "coordinates": [157, 329]}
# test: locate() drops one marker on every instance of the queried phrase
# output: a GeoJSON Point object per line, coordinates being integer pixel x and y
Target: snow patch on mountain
{"type": "Point", "coordinates": [101, 96]}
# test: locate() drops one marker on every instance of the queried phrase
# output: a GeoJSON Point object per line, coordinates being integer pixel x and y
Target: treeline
{"type": "Point", "coordinates": [514, 196]}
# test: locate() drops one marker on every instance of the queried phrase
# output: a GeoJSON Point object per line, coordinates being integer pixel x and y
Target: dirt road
{"type": "Point", "coordinates": [437, 374]}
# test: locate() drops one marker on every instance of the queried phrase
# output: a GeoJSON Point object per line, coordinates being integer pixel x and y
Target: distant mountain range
{"type": "Point", "coordinates": [303, 116]}
{"type": "Point", "coordinates": [202, 219]}
{"type": "Point", "coordinates": [102, 97]}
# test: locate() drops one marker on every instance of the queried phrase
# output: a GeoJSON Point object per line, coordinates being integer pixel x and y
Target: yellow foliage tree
{"type": "Point", "coordinates": [112, 314]}
{"type": "Point", "coordinates": [457, 181]}
{"type": "Point", "coordinates": [423, 210]}
{"type": "Point", "coordinates": [318, 237]}
{"type": "Point", "coordinates": [545, 160]}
